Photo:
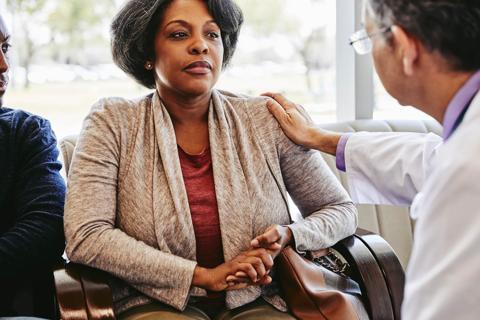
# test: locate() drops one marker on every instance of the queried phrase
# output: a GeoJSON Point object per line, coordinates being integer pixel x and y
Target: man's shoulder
{"type": "Point", "coordinates": [21, 122]}
{"type": "Point", "coordinates": [11, 114]}
{"type": "Point", "coordinates": [23, 136]}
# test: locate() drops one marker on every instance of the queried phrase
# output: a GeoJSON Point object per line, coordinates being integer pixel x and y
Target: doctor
{"type": "Point", "coordinates": [427, 54]}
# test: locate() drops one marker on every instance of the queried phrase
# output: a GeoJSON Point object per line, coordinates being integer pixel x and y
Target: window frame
{"type": "Point", "coordinates": [355, 89]}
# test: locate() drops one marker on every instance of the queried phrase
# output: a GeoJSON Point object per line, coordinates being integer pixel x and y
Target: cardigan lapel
{"type": "Point", "coordinates": [173, 221]}
{"type": "Point", "coordinates": [230, 185]}
{"type": "Point", "coordinates": [268, 149]}
{"type": "Point", "coordinates": [232, 193]}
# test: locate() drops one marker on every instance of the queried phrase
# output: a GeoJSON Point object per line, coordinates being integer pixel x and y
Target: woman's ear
{"type": "Point", "coordinates": [406, 47]}
{"type": "Point", "coordinates": [148, 65]}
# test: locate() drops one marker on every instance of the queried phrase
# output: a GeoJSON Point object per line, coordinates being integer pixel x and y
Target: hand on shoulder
{"type": "Point", "coordinates": [294, 122]}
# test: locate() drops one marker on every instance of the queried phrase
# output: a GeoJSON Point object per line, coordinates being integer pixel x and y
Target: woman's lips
{"type": "Point", "coordinates": [198, 67]}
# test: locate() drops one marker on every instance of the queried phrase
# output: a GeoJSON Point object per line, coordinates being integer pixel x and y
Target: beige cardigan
{"type": "Point", "coordinates": [127, 210]}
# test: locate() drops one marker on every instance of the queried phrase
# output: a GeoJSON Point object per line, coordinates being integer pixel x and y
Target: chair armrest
{"type": "Point", "coordinates": [83, 293]}
{"type": "Point", "coordinates": [366, 270]}
{"type": "Point", "coordinates": [389, 264]}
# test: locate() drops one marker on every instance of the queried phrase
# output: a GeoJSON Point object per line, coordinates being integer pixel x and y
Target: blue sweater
{"type": "Point", "coordinates": [32, 194]}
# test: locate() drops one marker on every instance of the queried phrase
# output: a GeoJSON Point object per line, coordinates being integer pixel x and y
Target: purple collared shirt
{"type": "Point", "coordinates": [340, 153]}
{"type": "Point", "coordinates": [453, 116]}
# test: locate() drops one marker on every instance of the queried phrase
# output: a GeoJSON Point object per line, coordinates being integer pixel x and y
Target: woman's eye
{"type": "Point", "coordinates": [178, 35]}
{"type": "Point", "coordinates": [214, 35]}
{"type": "Point", "coordinates": [5, 47]}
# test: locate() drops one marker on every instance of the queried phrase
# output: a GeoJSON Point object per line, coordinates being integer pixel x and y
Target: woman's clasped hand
{"type": "Point", "coordinates": [264, 248]}
{"type": "Point", "coordinates": [253, 265]}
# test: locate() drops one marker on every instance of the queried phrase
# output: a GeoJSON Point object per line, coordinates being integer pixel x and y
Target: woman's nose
{"type": "Point", "coordinates": [199, 46]}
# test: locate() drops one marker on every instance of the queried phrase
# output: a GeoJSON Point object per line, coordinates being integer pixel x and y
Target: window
{"type": "Point", "coordinates": [386, 107]}
{"type": "Point", "coordinates": [61, 61]}
{"type": "Point", "coordinates": [287, 46]}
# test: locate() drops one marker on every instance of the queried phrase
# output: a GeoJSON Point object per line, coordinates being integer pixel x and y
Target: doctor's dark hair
{"type": "Point", "coordinates": [135, 26]}
{"type": "Point", "coordinates": [449, 27]}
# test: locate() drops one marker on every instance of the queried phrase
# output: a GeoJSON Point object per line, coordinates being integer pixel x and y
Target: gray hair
{"type": "Point", "coordinates": [135, 26]}
{"type": "Point", "coordinates": [449, 27]}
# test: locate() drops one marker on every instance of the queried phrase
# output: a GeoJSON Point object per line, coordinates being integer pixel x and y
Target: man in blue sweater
{"type": "Point", "coordinates": [31, 195]}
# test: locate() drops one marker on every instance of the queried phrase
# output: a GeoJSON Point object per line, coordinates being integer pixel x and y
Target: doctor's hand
{"type": "Point", "coordinates": [297, 127]}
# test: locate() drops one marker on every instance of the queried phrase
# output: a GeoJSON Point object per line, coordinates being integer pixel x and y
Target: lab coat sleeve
{"type": "Point", "coordinates": [389, 168]}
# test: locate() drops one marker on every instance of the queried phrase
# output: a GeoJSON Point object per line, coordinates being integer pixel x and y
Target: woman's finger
{"type": "Point", "coordinates": [265, 280]}
{"type": "Point", "coordinates": [274, 246]}
{"type": "Point", "coordinates": [257, 263]}
{"type": "Point", "coordinates": [242, 279]}
{"type": "Point", "coordinates": [241, 274]}
{"type": "Point", "coordinates": [233, 280]}
{"type": "Point", "coordinates": [248, 269]}
{"type": "Point", "coordinates": [263, 254]}
{"type": "Point", "coordinates": [266, 239]}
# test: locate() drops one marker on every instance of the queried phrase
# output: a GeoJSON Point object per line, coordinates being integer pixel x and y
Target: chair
{"type": "Point", "coordinates": [83, 292]}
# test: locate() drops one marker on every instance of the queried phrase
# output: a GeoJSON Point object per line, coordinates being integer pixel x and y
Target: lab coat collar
{"type": "Point", "coordinates": [459, 105]}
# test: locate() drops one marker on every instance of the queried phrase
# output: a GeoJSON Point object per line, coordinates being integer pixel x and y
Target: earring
{"type": "Point", "coordinates": [148, 65]}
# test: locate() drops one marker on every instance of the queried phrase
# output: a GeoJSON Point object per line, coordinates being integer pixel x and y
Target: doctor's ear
{"type": "Point", "coordinates": [407, 48]}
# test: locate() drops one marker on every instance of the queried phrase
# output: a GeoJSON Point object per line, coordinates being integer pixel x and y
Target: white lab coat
{"type": "Point", "coordinates": [442, 183]}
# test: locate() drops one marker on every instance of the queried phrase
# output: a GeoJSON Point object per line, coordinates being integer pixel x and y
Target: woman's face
{"type": "Point", "coordinates": [188, 49]}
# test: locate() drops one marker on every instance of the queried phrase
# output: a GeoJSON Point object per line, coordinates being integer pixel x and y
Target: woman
{"type": "Point", "coordinates": [167, 192]}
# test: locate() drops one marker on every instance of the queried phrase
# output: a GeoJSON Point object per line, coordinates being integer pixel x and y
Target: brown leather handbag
{"type": "Point", "coordinates": [313, 291]}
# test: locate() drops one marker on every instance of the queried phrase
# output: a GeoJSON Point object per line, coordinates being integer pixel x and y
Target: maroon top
{"type": "Point", "coordinates": [198, 177]}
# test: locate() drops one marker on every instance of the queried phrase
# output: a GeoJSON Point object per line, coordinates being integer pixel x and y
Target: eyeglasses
{"type": "Point", "coordinates": [361, 41]}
